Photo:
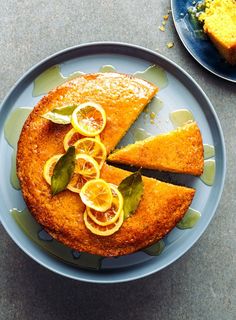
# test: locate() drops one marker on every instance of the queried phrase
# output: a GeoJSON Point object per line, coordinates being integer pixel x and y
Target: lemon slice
{"type": "Point", "coordinates": [72, 137]}
{"type": "Point", "coordinates": [96, 194]}
{"type": "Point", "coordinates": [112, 214]}
{"type": "Point", "coordinates": [103, 230]}
{"type": "Point", "coordinates": [86, 168]}
{"type": "Point", "coordinates": [93, 148]}
{"type": "Point", "coordinates": [76, 183]}
{"type": "Point", "coordinates": [89, 119]}
{"type": "Point", "coordinates": [49, 167]}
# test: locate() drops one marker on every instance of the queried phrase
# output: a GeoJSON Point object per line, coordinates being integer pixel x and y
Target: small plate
{"type": "Point", "coordinates": [201, 49]}
{"type": "Point", "coordinates": [181, 92]}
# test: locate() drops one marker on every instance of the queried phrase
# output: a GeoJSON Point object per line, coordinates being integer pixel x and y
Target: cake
{"type": "Point", "coordinates": [180, 151]}
{"type": "Point", "coordinates": [219, 23]}
{"type": "Point", "coordinates": [162, 205]}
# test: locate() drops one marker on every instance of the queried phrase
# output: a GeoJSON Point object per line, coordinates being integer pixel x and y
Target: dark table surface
{"type": "Point", "coordinates": [200, 285]}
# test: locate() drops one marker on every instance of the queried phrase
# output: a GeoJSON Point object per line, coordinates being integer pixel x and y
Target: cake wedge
{"type": "Point", "coordinates": [219, 23]}
{"type": "Point", "coordinates": [179, 151]}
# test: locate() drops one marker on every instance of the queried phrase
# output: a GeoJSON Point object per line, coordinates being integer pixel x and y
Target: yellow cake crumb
{"type": "Point", "coordinates": [170, 44]}
{"type": "Point", "coordinates": [219, 21]}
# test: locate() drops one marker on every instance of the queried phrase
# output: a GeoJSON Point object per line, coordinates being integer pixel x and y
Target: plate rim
{"type": "Point", "coordinates": [156, 55]}
{"type": "Point", "coordinates": [177, 28]}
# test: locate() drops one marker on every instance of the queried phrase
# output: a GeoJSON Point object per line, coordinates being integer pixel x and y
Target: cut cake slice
{"type": "Point", "coordinates": [219, 21]}
{"type": "Point", "coordinates": [179, 151]}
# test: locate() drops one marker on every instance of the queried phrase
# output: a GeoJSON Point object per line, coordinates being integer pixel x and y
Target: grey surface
{"type": "Point", "coordinates": [202, 284]}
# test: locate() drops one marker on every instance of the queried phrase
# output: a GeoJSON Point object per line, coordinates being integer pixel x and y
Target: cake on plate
{"type": "Point", "coordinates": [65, 181]}
{"type": "Point", "coordinates": [219, 23]}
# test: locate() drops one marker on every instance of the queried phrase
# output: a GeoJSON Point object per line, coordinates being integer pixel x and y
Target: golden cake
{"type": "Point", "coordinates": [162, 205]}
{"type": "Point", "coordinates": [219, 22]}
{"type": "Point", "coordinates": [180, 151]}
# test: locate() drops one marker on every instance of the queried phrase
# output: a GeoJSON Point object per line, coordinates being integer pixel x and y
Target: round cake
{"type": "Point", "coordinates": [123, 98]}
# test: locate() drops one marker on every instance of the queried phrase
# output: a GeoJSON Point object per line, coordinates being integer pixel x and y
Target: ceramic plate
{"type": "Point", "coordinates": [181, 91]}
{"type": "Point", "coordinates": [199, 47]}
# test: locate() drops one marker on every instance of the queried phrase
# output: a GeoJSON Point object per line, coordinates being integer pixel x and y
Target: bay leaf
{"type": "Point", "coordinates": [60, 115]}
{"type": "Point", "coordinates": [63, 171]}
{"type": "Point", "coordinates": [131, 189]}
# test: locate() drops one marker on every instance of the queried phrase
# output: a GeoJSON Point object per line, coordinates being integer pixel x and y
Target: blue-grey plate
{"type": "Point", "coordinates": [181, 92]}
{"type": "Point", "coordinates": [200, 48]}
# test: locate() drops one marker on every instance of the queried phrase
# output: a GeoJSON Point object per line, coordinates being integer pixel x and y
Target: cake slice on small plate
{"type": "Point", "coordinates": [219, 21]}
{"type": "Point", "coordinates": [179, 151]}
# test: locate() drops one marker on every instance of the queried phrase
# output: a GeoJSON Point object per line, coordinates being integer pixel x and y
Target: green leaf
{"type": "Point", "coordinates": [132, 190]}
{"type": "Point", "coordinates": [61, 115]}
{"type": "Point", "coordinates": [63, 171]}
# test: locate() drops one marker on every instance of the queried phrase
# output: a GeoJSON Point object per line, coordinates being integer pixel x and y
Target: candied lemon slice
{"type": "Point", "coordinates": [49, 167]}
{"type": "Point", "coordinates": [76, 183]}
{"type": "Point", "coordinates": [86, 168]}
{"type": "Point", "coordinates": [96, 194]}
{"type": "Point", "coordinates": [72, 137]}
{"type": "Point", "coordinates": [89, 119]}
{"type": "Point", "coordinates": [111, 215]}
{"type": "Point", "coordinates": [103, 230]}
{"type": "Point", "coordinates": [93, 148]}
